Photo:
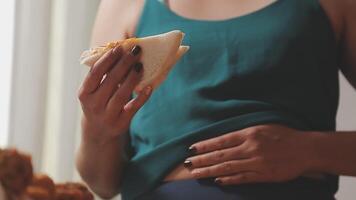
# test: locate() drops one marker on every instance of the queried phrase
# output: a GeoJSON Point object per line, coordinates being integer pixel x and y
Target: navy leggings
{"type": "Point", "coordinates": [301, 189]}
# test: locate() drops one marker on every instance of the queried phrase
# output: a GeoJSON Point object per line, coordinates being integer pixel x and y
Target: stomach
{"type": "Point", "coordinates": [182, 173]}
{"type": "Point", "coordinates": [178, 173]}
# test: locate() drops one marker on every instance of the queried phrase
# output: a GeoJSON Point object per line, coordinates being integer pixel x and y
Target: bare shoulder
{"type": "Point", "coordinates": [115, 20]}
{"type": "Point", "coordinates": [334, 10]}
{"type": "Point", "coordinates": [342, 14]}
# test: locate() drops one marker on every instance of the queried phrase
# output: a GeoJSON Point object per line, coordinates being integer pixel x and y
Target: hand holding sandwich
{"type": "Point", "coordinates": [118, 69]}
{"type": "Point", "coordinates": [106, 92]}
{"type": "Point", "coordinates": [107, 111]}
{"type": "Point", "coordinates": [138, 65]}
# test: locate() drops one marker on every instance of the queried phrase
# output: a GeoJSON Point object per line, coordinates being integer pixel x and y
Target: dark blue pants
{"type": "Point", "coordinates": [301, 189]}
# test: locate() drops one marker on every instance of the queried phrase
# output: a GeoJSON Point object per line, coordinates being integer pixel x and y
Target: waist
{"type": "Point", "coordinates": [182, 173]}
{"type": "Point", "coordinates": [148, 167]}
{"type": "Point", "coordinates": [297, 189]}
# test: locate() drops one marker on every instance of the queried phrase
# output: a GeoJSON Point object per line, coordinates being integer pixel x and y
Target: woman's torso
{"type": "Point", "coordinates": [220, 11]}
{"type": "Point", "coordinates": [243, 54]}
{"type": "Point", "coordinates": [223, 10]}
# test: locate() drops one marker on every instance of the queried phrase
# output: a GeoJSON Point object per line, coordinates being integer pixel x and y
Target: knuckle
{"type": "Point", "coordinates": [198, 174]}
{"type": "Point", "coordinates": [236, 151]}
{"type": "Point", "coordinates": [255, 134]}
{"type": "Point", "coordinates": [218, 155]}
{"type": "Point", "coordinates": [252, 134]}
{"type": "Point", "coordinates": [255, 148]}
{"type": "Point", "coordinates": [226, 167]}
{"type": "Point", "coordinates": [221, 142]}
{"type": "Point", "coordinates": [82, 96]}
{"type": "Point", "coordinates": [207, 172]}
{"type": "Point", "coordinates": [128, 59]}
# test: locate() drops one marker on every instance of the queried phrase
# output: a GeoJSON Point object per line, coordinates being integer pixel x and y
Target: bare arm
{"type": "Point", "coordinates": [254, 154]}
{"type": "Point", "coordinates": [336, 152]}
{"type": "Point", "coordinates": [105, 120]}
{"type": "Point", "coordinates": [348, 66]}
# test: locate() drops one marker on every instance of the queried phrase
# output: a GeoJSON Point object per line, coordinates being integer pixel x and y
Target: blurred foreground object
{"type": "Point", "coordinates": [17, 181]}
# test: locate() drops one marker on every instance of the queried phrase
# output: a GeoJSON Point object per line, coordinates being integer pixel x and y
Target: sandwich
{"type": "Point", "coordinates": [159, 54]}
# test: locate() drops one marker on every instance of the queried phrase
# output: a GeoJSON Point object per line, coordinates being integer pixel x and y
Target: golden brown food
{"type": "Point", "coordinates": [15, 171]}
{"type": "Point", "coordinates": [37, 193]}
{"type": "Point", "coordinates": [72, 191]}
{"type": "Point", "coordinates": [18, 182]}
{"type": "Point", "coordinates": [41, 188]}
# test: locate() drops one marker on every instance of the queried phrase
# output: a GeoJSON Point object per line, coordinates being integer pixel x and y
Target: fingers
{"type": "Point", "coordinates": [118, 74]}
{"type": "Point", "coordinates": [221, 142]}
{"type": "Point", "coordinates": [215, 157]}
{"type": "Point", "coordinates": [123, 93]}
{"type": "Point", "coordinates": [224, 169]}
{"type": "Point", "coordinates": [134, 105]}
{"type": "Point", "coordinates": [100, 68]}
{"type": "Point", "coordinates": [240, 178]}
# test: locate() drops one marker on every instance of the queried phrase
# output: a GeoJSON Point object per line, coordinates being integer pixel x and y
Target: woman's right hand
{"type": "Point", "coordinates": [105, 95]}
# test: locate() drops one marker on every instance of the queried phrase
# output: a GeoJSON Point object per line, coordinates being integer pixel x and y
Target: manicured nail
{"type": "Point", "coordinates": [136, 50]}
{"type": "Point", "coordinates": [148, 90]}
{"type": "Point", "coordinates": [188, 164]}
{"type": "Point", "coordinates": [138, 67]}
{"type": "Point", "coordinates": [218, 181]}
{"type": "Point", "coordinates": [192, 150]}
{"type": "Point", "coordinates": [128, 106]}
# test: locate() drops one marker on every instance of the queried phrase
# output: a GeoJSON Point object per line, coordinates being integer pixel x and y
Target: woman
{"type": "Point", "coordinates": [248, 113]}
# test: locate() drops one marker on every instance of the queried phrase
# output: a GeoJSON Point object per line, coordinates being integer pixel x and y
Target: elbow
{"type": "Point", "coordinates": [104, 191]}
{"type": "Point", "coordinates": [102, 187]}
{"type": "Point", "coordinates": [105, 194]}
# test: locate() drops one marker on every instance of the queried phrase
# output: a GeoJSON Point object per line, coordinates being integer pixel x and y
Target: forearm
{"type": "Point", "coordinates": [101, 164]}
{"type": "Point", "coordinates": [334, 153]}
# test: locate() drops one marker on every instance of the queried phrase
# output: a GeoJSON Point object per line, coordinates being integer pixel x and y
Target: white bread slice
{"type": "Point", "coordinates": [165, 69]}
{"type": "Point", "coordinates": [159, 54]}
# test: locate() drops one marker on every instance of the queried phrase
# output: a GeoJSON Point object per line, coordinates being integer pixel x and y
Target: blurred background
{"type": "Point", "coordinates": [40, 44]}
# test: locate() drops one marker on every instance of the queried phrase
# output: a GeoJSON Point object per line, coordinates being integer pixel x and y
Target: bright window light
{"type": "Point", "coordinates": [7, 17]}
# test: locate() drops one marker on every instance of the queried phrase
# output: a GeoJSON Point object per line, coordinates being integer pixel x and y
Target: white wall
{"type": "Point", "coordinates": [7, 18]}
{"type": "Point", "coordinates": [346, 120]}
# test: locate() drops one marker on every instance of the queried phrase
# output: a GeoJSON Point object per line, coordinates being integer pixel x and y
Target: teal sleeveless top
{"type": "Point", "coordinates": [275, 65]}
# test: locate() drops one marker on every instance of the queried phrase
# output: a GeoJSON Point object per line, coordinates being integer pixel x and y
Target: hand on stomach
{"type": "Point", "coordinates": [264, 153]}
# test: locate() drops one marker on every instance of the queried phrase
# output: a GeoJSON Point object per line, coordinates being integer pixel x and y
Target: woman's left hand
{"type": "Point", "coordinates": [264, 153]}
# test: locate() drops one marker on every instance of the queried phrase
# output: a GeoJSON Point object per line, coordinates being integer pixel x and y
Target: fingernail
{"type": "Point", "coordinates": [192, 150]}
{"type": "Point", "coordinates": [128, 106]}
{"type": "Point", "coordinates": [148, 90]}
{"type": "Point", "coordinates": [188, 164]}
{"type": "Point", "coordinates": [138, 67]}
{"type": "Point", "coordinates": [136, 50]}
{"type": "Point", "coordinates": [218, 181]}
